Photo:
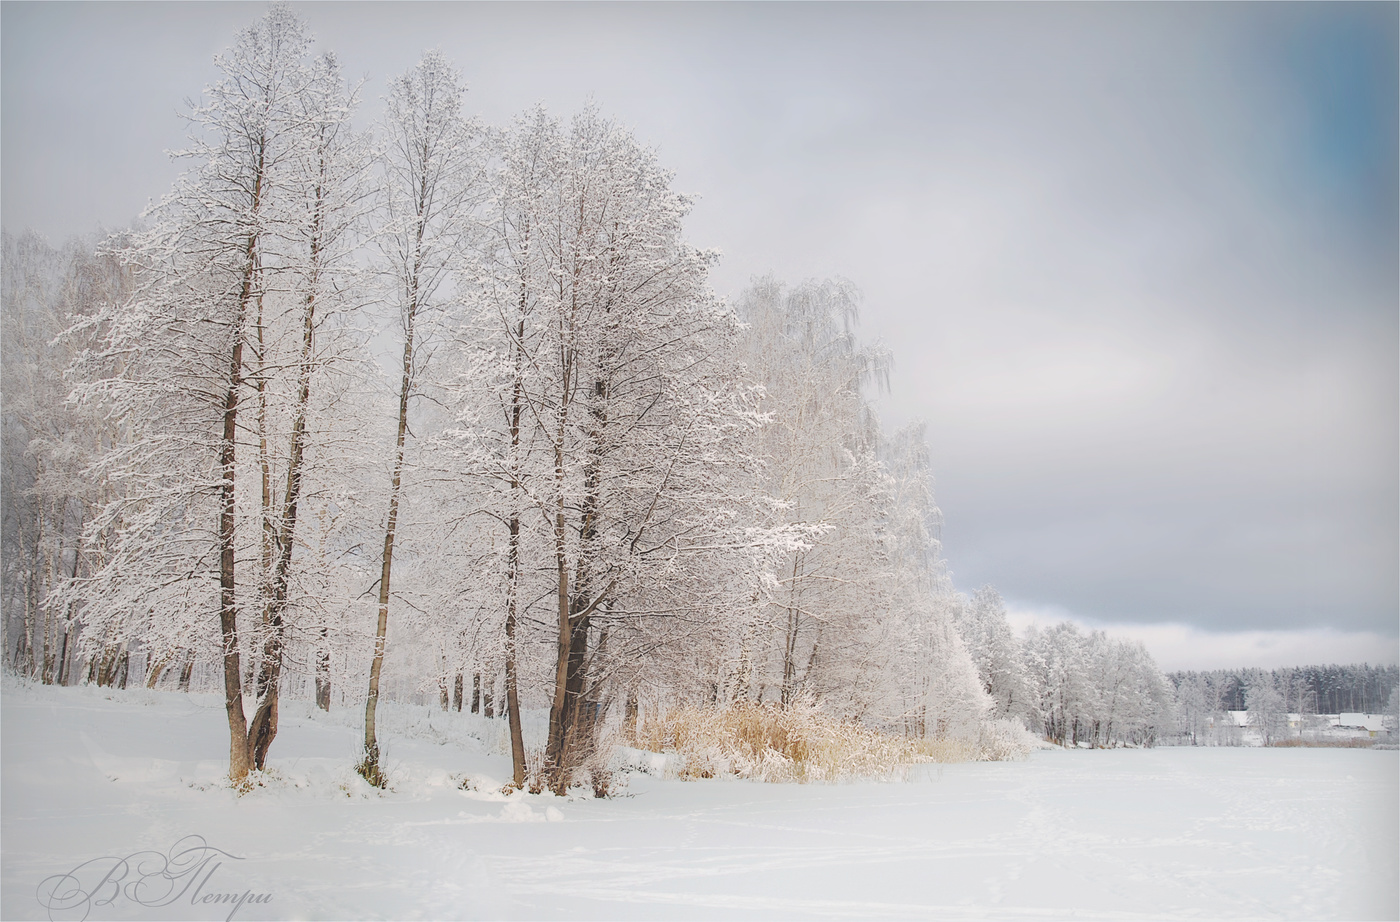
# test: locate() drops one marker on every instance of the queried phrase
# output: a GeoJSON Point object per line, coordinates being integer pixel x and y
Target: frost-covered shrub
{"type": "Point", "coordinates": [1005, 740]}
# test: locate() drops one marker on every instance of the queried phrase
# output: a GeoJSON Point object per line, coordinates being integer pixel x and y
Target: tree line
{"type": "Point", "coordinates": [356, 413]}
{"type": "Point", "coordinates": [1271, 695]}
{"type": "Point", "coordinates": [1074, 688]}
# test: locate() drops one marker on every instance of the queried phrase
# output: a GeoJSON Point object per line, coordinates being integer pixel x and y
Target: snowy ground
{"type": "Point", "coordinates": [1166, 833]}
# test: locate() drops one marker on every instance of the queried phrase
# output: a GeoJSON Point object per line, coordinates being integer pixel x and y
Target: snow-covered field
{"type": "Point", "coordinates": [1165, 833]}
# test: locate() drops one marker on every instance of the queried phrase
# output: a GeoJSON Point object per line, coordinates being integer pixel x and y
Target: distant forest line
{"type": "Point", "coordinates": [1329, 689]}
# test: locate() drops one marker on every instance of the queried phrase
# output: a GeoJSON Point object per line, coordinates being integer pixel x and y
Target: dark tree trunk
{"type": "Point", "coordinates": [240, 758]}
{"type": "Point", "coordinates": [571, 751]}
{"type": "Point", "coordinates": [517, 735]}
{"type": "Point", "coordinates": [63, 655]}
{"type": "Point", "coordinates": [283, 537]}
{"type": "Point", "coordinates": [369, 766]}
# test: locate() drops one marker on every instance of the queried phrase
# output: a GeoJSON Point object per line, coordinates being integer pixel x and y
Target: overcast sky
{"type": "Point", "coordinates": [1137, 263]}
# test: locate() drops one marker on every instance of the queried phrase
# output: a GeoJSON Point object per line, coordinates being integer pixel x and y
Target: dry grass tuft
{"type": "Point", "coordinates": [794, 744]}
{"type": "Point", "coordinates": [1354, 742]}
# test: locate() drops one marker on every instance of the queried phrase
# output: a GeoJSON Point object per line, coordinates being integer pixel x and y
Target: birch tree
{"type": "Point", "coordinates": [431, 179]}
{"type": "Point", "coordinates": [822, 474]}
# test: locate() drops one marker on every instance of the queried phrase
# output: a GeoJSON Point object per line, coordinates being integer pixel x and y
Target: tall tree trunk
{"type": "Point", "coordinates": [50, 617]}
{"type": "Point", "coordinates": [71, 624]}
{"type": "Point", "coordinates": [323, 675]}
{"type": "Point", "coordinates": [554, 753]}
{"type": "Point", "coordinates": [370, 764]}
{"type": "Point", "coordinates": [266, 517]}
{"type": "Point", "coordinates": [592, 705]}
{"type": "Point", "coordinates": [794, 623]}
{"type": "Point", "coordinates": [555, 748]}
{"type": "Point", "coordinates": [517, 735]}
{"type": "Point", "coordinates": [574, 733]}
{"type": "Point", "coordinates": [444, 694]}
{"type": "Point", "coordinates": [267, 532]}
{"type": "Point", "coordinates": [240, 760]}
{"type": "Point", "coordinates": [574, 686]}
{"type": "Point", "coordinates": [40, 646]}
{"type": "Point", "coordinates": [63, 652]}
{"type": "Point", "coordinates": [24, 650]}
{"type": "Point", "coordinates": [323, 671]}
{"type": "Point", "coordinates": [264, 726]}
{"type": "Point", "coordinates": [22, 645]}
{"type": "Point", "coordinates": [156, 669]}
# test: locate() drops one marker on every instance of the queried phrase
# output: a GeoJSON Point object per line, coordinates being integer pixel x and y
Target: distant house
{"type": "Point", "coordinates": [1375, 723]}
{"type": "Point", "coordinates": [1239, 718]}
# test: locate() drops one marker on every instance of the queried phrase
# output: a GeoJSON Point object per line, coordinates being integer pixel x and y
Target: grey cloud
{"type": "Point", "coordinates": [1137, 263]}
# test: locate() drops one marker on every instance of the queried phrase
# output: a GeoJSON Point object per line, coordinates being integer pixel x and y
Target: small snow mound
{"type": "Point", "coordinates": [483, 787]}
{"type": "Point", "coordinates": [517, 811]}
{"type": "Point", "coordinates": [354, 786]}
{"type": "Point", "coordinates": [656, 764]}
{"type": "Point", "coordinates": [520, 811]}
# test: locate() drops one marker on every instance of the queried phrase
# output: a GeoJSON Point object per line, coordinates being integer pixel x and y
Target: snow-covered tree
{"type": "Point", "coordinates": [611, 405]}
{"type": "Point", "coordinates": [923, 676]}
{"type": "Point", "coordinates": [432, 168]}
{"type": "Point", "coordinates": [209, 369]}
{"type": "Point", "coordinates": [985, 629]}
{"type": "Point", "coordinates": [1267, 711]}
{"type": "Point", "coordinates": [822, 481]}
{"type": "Point", "coordinates": [1058, 668]}
{"type": "Point", "coordinates": [1095, 689]}
{"type": "Point", "coordinates": [1197, 703]}
{"type": "Point", "coordinates": [50, 300]}
{"type": "Point", "coordinates": [581, 478]}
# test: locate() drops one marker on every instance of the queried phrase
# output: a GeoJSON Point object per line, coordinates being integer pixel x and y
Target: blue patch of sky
{"type": "Point", "coordinates": [1343, 66]}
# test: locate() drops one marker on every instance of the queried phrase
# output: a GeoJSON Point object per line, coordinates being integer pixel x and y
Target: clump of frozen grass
{"type": "Point", "coordinates": [800, 743]}
{"type": "Point", "coordinates": [946, 749]}
{"type": "Point", "coordinates": [369, 770]}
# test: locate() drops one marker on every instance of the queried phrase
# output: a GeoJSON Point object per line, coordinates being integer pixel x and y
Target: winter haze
{"type": "Point", "coordinates": [1137, 264]}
